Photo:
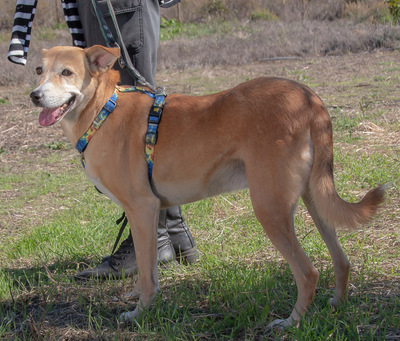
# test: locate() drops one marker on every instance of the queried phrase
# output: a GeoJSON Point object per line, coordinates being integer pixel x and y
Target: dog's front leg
{"type": "Point", "coordinates": [143, 220]}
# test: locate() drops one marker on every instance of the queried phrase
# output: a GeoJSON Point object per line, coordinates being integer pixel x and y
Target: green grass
{"type": "Point", "coordinates": [236, 289]}
{"type": "Point", "coordinates": [218, 28]}
{"type": "Point", "coordinates": [53, 223]}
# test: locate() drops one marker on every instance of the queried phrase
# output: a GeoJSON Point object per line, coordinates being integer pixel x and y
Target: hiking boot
{"type": "Point", "coordinates": [123, 261]}
{"type": "Point", "coordinates": [181, 238]}
{"type": "Point", "coordinates": [173, 239]}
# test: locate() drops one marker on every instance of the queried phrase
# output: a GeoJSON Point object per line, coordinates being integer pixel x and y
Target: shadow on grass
{"type": "Point", "coordinates": [234, 302]}
{"type": "Point", "coordinates": [48, 302]}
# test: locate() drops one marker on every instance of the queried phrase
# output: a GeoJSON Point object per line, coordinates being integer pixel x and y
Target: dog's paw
{"type": "Point", "coordinates": [129, 316]}
{"type": "Point", "coordinates": [282, 324]}
{"type": "Point", "coordinates": [335, 301]}
{"type": "Point", "coordinates": [127, 297]}
{"type": "Point", "coordinates": [279, 324]}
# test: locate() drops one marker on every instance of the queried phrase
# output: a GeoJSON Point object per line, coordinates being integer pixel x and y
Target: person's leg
{"type": "Point", "coordinates": [145, 58]}
{"type": "Point", "coordinates": [181, 238]}
{"type": "Point", "coordinates": [123, 261]}
{"type": "Point", "coordinates": [173, 239]}
{"type": "Point", "coordinates": [139, 25]}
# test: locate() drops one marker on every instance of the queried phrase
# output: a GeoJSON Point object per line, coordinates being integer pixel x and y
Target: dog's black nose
{"type": "Point", "coordinates": [36, 96]}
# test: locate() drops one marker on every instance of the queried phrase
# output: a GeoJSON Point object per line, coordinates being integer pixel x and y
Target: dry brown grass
{"type": "Point", "coordinates": [49, 12]}
{"type": "Point", "coordinates": [285, 10]}
{"type": "Point", "coordinates": [263, 40]}
{"type": "Point", "coordinates": [232, 44]}
{"type": "Point", "coordinates": [303, 29]}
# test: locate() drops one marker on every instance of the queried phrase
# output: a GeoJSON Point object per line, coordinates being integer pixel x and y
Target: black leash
{"type": "Point", "coordinates": [124, 221]}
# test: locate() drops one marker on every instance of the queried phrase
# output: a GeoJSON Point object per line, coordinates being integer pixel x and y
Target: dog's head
{"type": "Point", "coordinates": [68, 79]}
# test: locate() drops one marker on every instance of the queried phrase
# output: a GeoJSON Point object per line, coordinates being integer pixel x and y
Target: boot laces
{"type": "Point", "coordinates": [120, 255]}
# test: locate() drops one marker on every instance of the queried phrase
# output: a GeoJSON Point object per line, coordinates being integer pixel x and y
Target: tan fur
{"type": "Point", "coordinates": [271, 135]}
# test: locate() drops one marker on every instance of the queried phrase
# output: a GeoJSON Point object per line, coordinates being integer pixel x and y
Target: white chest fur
{"type": "Point", "coordinates": [96, 181]}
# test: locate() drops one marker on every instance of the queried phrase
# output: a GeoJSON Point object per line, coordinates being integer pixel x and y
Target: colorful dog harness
{"type": "Point", "coordinates": [96, 124]}
{"type": "Point", "coordinates": [152, 125]}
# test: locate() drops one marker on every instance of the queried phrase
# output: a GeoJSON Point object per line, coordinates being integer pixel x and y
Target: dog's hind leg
{"type": "Point", "coordinates": [340, 262]}
{"type": "Point", "coordinates": [143, 220]}
{"type": "Point", "coordinates": [275, 214]}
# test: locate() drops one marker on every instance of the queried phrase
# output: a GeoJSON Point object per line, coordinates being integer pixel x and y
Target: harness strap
{"type": "Point", "coordinates": [136, 89]}
{"type": "Point", "coordinates": [152, 131]}
{"type": "Point", "coordinates": [96, 124]}
{"type": "Point", "coordinates": [152, 125]}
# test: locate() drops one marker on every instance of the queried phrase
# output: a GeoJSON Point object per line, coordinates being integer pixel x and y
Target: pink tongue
{"type": "Point", "coordinates": [48, 116]}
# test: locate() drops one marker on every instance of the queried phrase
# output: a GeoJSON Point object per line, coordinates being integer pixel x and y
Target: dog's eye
{"type": "Point", "coordinates": [66, 73]}
{"type": "Point", "coordinates": [39, 70]}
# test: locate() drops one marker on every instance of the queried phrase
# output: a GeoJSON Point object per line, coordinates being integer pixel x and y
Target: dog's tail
{"type": "Point", "coordinates": [331, 208]}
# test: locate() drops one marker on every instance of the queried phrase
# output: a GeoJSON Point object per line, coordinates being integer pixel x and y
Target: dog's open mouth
{"type": "Point", "coordinates": [49, 116]}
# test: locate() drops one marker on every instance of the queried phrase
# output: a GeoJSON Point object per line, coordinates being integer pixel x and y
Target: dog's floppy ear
{"type": "Point", "coordinates": [101, 58]}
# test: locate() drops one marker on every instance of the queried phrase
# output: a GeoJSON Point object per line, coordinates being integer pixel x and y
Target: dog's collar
{"type": "Point", "coordinates": [96, 124]}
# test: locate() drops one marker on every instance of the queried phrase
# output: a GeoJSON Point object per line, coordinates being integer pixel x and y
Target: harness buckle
{"type": "Point", "coordinates": [154, 119]}
{"type": "Point", "coordinates": [151, 138]}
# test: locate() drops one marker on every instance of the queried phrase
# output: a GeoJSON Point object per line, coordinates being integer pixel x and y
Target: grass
{"type": "Point", "coordinates": [218, 28]}
{"type": "Point", "coordinates": [53, 223]}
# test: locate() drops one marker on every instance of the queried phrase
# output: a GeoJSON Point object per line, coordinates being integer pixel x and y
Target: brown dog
{"type": "Point", "coordinates": [271, 135]}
